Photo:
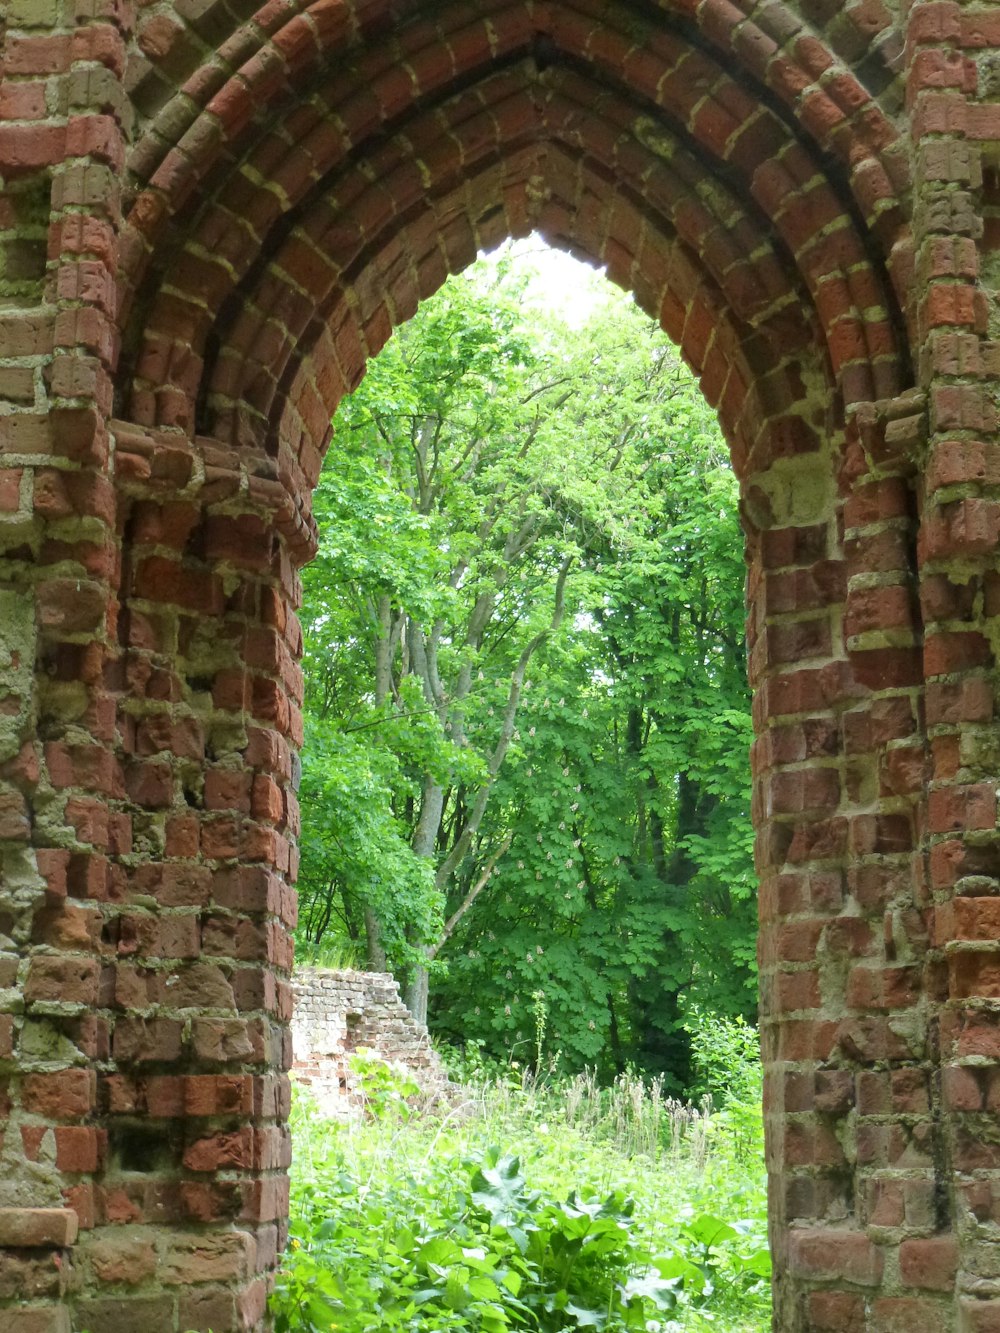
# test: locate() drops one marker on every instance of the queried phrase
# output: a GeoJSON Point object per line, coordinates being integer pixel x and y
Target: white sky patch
{"type": "Point", "coordinates": [562, 285]}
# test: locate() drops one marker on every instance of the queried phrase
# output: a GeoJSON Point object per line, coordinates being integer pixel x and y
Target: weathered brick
{"type": "Point", "coordinates": [122, 1259]}
{"type": "Point", "coordinates": [67, 1095]}
{"type": "Point", "coordinates": [930, 1263]}
{"type": "Point", "coordinates": [31, 1228]}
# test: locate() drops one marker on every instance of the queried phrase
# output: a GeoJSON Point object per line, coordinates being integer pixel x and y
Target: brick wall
{"type": "Point", "coordinates": [212, 213]}
{"type": "Point", "coordinates": [336, 1013]}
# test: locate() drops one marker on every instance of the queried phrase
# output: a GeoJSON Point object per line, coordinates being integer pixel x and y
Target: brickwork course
{"type": "Point", "coordinates": [338, 1013]}
{"type": "Point", "coordinates": [212, 213]}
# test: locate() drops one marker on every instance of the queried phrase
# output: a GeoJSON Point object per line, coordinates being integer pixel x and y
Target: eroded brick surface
{"type": "Point", "coordinates": [212, 214]}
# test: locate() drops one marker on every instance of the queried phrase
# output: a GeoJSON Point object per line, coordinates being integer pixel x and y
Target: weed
{"type": "Point", "coordinates": [533, 1203]}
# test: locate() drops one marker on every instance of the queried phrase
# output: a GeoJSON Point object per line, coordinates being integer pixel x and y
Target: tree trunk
{"type": "Point", "coordinates": [415, 994]}
{"type": "Point", "coordinates": [373, 937]}
{"type": "Point", "coordinates": [384, 648]}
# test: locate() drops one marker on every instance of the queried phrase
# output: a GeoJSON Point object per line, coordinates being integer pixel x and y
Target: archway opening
{"type": "Point", "coordinates": [526, 781]}
{"type": "Point", "coordinates": [532, 580]}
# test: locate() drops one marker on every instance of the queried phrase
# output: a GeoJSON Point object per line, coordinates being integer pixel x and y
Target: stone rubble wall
{"type": "Point", "coordinates": [337, 1013]}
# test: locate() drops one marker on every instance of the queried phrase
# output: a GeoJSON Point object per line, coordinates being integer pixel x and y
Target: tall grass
{"type": "Point", "coordinates": [695, 1174]}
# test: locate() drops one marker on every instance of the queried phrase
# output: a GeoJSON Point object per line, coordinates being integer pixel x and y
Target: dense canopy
{"type": "Point", "coordinates": [528, 720]}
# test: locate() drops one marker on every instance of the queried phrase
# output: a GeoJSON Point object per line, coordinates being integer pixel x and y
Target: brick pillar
{"type": "Point", "coordinates": [61, 155]}
{"type": "Point", "coordinates": [145, 1094]}
{"type": "Point", "coordinates": [850, 991]}
{"type": "Point", "coordinates": [191, 1193]}
{"type": "Point", "coordinates": [952, 88]}
{"type": "Point", "coordinates": [802, 687]}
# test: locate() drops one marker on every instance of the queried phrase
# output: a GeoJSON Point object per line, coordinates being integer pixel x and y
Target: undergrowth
{"type": "Point", "coordinates": [530, 1203]}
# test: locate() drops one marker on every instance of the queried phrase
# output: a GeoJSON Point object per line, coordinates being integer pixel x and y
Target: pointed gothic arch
{"type": "Point", "coordinates": [243, 201]}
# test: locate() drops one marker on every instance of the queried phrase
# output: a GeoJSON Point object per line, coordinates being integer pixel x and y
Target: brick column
{"type": "Point", "coordinates": [952, 53]}
{"type": "Point", "coordinates": [802, 686]}
{"type": "Point", "coordinates": [64, 119]}
{"type": "Point", "coordinates": [148, 1100]}
{"type": "Point", "coordinates": [191, 1198]}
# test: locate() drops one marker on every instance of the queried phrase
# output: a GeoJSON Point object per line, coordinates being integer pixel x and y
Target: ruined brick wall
{"type": "Point", "coordinates": [337, 1013]}
{"type": "Point", "coordinates": [212, 213]}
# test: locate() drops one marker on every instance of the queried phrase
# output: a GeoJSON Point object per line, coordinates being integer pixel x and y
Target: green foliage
{"type": "Point", "coordinates": [384, 1088]}
{"type": "Point", "coordinates": [430, 1225]}
{"type": "Point", "coordinates": [359, 845]}
{"type": "Point", "coordinates": [551, 811]}
{"type": "Point", "coordinates": [726, 1059]}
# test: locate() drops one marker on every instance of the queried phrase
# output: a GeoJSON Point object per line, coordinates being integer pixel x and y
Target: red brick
{"type": "Point", "coordinates": [122, 1259]}
{"type": "Point", "coordinates": [68, 980]}
{"type": "Point", "coordinates": [828, 1255]}
{"type": "Point", "coordinates": [163, 580]}
{"type": "Point", "coordinates": [123, 1314]}
{"type": "Point", "coordinates": [930, 1263]}
{"type": "Point", "coordinates": [836, 1312]}
{"type": "Point", "coordinates": [37, 1319]}
{"type": "Point", "coordinates": [31, 1228]}
{"type": "Point", "coordinates": [907, 1315]}
{"type": "Point", "coordinates": [965, 807]}
{"type": "Point", "coordinates": [78, 1148]}
{"type": "Point", "coordinates": [67, 1095]}
{"type": "Point", "coordinates": [227, 789]}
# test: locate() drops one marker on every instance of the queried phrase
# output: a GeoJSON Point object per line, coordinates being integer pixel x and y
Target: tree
{"type": "Point", "coordinates": [525, 670]}
{"type": "Point", "coordinates": [629, 888]}
{"type": "Point", "coordinates": [448, 555]}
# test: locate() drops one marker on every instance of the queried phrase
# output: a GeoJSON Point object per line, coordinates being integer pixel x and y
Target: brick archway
{"type": "Point", "coordinates": [213, 213]}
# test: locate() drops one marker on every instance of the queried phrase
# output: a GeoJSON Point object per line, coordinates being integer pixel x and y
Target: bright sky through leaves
{"type": "Point", "coordinates": [560, 284]}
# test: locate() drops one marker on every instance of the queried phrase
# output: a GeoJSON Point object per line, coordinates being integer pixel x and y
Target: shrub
{"type": "Point", "coordinates": [610, 1209]}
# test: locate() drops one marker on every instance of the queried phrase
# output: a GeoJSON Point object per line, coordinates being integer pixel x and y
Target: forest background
{"type": "Point", "coordinates": [526, 781]}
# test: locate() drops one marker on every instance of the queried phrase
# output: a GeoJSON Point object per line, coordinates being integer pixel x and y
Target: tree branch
{"type": "Point", "coordinates": [461, 847]}
{"type": "Point", "coordinates": [468, 900]}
